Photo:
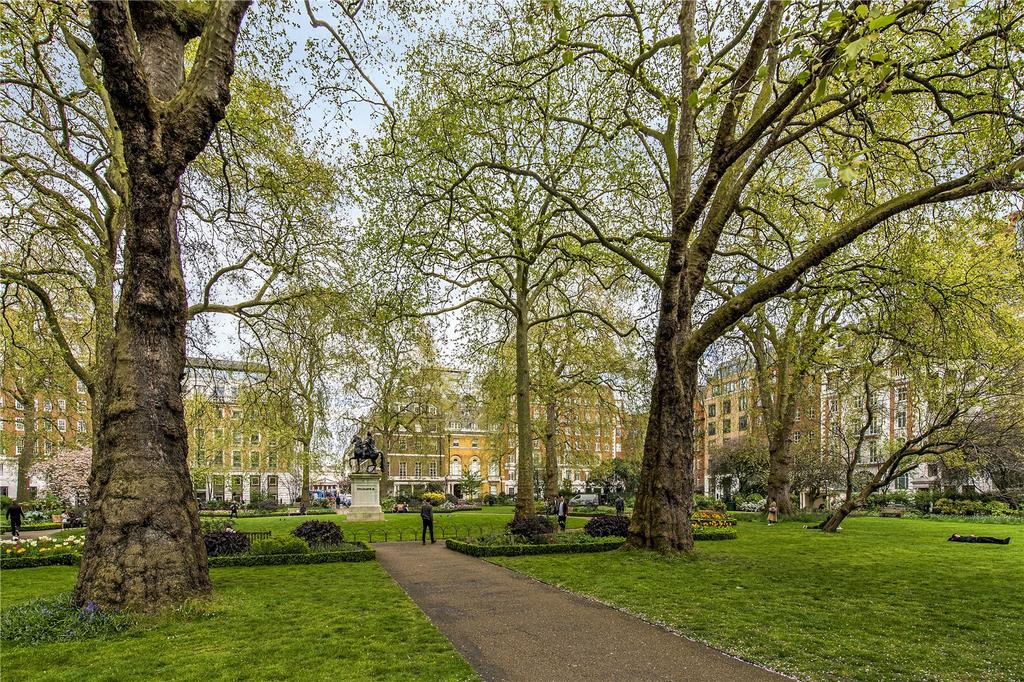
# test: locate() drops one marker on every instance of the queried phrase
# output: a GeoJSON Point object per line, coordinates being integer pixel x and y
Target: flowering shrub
{"type": "Point", "coordinates": [319, 533]}
{"type": "Point", "coordinates": [41, 547]}
{"type": "Point", "coordinates": [433, 498]}
{"type": "Point", "coordinates": [749, 506]}
{"type": "Point", "coordinates": [710, 518]}
{"type": "Point", "coordinates": [532, 529]}
{"type": "Point", "coordinates": [225, 542]}
{"type": "Point", "coordinates": [605, 526]}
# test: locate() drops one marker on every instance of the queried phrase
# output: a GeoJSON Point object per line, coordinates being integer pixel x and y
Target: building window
{"type": "Point", "coordinates": [901, 419]}
{"type": "Point", "coordinates": [48, 449]}
{"type": "Point", "coordinates": [492, 469]}
{"type": "Point", "coordinates": [456, 466]}
{"type": "Point", "coordinates": [47, 405]}
{"type": "Point", "coordinates": [18, 405]}
{"type": "Point", "coordinates": [474, 466]}
{"type": "Point", "coordinates": [744, 383]}
{"type": "Point", "coordinates": [833, 405]}
{"type": "Point", "coordinates": [81, 407]}
{"type": "Point", "coordinates": [254, 438]}
{"type": "Point", "coordinates": [455, 442]}
{"type": "Point", "coordinates": [797, 436]}
{"type": "Point", "coordinates": [712, 428]}
{"type": "Point", "coordinates": [474, 443]}
{"type": "Point", "coordinates": [873, 452]}
{"type": "Point", "coordinates": [62, 405]}
{"type": "Point", "coordinates": [712, 410]}
{"type": "Point", "coordinates": [236, 415]}
{"type": "Point", "coordinates": [81, 426]}
{"type": "Point", "coordinates": [19, 423]}
{"type": "Point", "coordinates": [19, 446]}
{"type": "Point", "coordinates": [743, 423]}
{"type": "Point", "coordinates": [236, 458]}
{"type": "Point", "coordinates": [730, 387]}
{"type": "Point", "coordinates": [726, 426]}
{"type": "Point", "coordinates": [272, 481]}
{"type": "Point", "coordinates": [402, 469]}
{"type": "Point", "coordinates": [726, 406]}
{"type": "Point", "coordinates": [237, 437]}
{"type": "Point", "coordinates": [901, 394]}
{"type": "Point", "coordinates": [254, 460]}
{"type": "Point", "coordinates": [417, 469]}
{"type": "Point", "coordinates": [272, 462]}
{"type": "Point", "coordinates": [218, 458]}
{"type": "Point", "coordinates": [433, 470]}
{"type": "Point", "coordinates": [903, 482]}
{"type": "Point", "coordinates": [79, 386]}
{"type": "Point", "coordinates": [743, 403]}
{"type": "Point", "coordinates": [62, 425]}
{"type": "Point", "coordinates": [402, 444]}
{"type": "Point", "coordinates": [254, 484]}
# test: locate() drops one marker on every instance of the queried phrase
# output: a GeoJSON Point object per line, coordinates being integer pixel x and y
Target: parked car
{"type": "Point", "coordinates": [585, 500]}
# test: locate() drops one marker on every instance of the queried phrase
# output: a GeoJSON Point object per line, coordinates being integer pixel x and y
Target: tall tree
{"type": "Point", "coordinates": [722, 97]}
{"type": "Point", "coordinates": [144, 546]}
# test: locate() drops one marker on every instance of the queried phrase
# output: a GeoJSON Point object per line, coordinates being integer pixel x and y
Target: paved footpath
{"type": "Point", "coordinates": [511, 627]}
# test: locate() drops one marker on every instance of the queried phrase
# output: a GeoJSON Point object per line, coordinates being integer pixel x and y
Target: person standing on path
{"type": "Point", "coordinates": [773, 513]}
{"type": "Point", "coordinates": [14, 515]}
{"type": "Point", "coordinates": [427, 516]}
{"type": "Point", "coordinates": [563, 511]}
{"type": "Point", "coordinates": [620, 506]}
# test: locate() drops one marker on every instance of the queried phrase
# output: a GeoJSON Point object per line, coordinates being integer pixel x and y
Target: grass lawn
{"type": "Point", "coordinates": [399, 526]}
{"type": "Point", "coordinates": [319, 622]}
{"type": "Point", "coordinates": [886, 599]}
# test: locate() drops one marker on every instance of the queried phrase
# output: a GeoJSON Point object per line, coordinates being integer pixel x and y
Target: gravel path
{"type": "Point", "coordinates": [510, 627]}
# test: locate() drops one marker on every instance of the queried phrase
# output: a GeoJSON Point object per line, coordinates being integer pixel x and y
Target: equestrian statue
{"type": "Point", "coordinates": [366, 451]}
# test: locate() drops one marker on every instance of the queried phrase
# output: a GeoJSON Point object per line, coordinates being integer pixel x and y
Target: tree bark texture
{"type": "Point", "coordinates": [524, 463]}
{"type": "Point", "coordinates": [29, 447]}
{"type": "Point", "coordinates": [144, 545]}
{"type": "Point", "coordinates": [551, 450]}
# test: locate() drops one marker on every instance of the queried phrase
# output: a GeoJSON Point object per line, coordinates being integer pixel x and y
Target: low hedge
{"type": "Point", "coordinates": [39, 561]}
{"type": "Point", "coordinates": [246, 514]}
{"type": "Point", "coordinates": [365, 554]}
{"type": "Point", "coordinates": [523, 550]}
{"type": "Point", "coordinates": [32, 526]}
{"type": "Point", "coordinates": [714, 533]}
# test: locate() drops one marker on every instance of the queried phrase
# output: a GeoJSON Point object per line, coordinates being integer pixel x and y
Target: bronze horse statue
{"type": "Point", "coordinates": [366, 451]}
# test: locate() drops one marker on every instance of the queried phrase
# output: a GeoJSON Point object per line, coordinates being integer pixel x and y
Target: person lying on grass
{"type": "Point", "coordinates": [956, 537]}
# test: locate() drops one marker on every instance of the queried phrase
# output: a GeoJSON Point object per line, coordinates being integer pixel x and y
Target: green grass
{"type": "Point", "coordinates": [399, 526]}
{"type": "Point", "coordinates": [320, 622]}
{"type": "Point", "coordinates": [886, 599]}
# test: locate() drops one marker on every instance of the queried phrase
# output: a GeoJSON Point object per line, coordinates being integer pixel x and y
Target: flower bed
{"type": "Point", "coordinates": [711, 518]}
{"type": "Point", "coordinates": [486, 550]}
{"type": "Point", "coordinates": [39, 551]}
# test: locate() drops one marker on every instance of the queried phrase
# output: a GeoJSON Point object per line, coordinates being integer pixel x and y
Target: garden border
{"type": "Point", "coordinates": [365, 554]}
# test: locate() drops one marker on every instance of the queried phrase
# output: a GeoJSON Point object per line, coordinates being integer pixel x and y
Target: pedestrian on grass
{"type": "Point", "coordinates": [234, 510]}
{"type": "Point", "coordinates": [14, 514]}
{"type": "Point", "coordinates": [620, 506]}
{"type": "Point", "coordinates": [773, 513]}
{"type": "Point", "coordinates": [562, 510]}
{"type": "Point", "coordinates": [427, 517]}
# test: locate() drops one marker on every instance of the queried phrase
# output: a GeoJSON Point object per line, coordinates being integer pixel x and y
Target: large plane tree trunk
{"type": "Point", "coordinates": [144, 546]}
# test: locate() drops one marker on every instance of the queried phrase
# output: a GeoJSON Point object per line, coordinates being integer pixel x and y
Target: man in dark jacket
{"type": "Point", "coordinates": [15, 514]}
{"type": "Point", "coordinates": [620, 505]}
{"type": "Point", "coordinates": [427, 516]}
{"type": "Point", "coordinates": [956, 537]}
{"type": "Point", "coordinates": [562, 510]}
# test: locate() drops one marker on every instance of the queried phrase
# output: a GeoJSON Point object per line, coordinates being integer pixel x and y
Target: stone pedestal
{"type": "Point", "coordinates": [365, 498]}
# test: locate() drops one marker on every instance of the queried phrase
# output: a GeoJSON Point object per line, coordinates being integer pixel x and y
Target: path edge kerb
{"type": "Point", "coordinates": [615, 607]}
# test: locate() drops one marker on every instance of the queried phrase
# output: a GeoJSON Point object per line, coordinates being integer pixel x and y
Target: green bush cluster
{"type": "Point", "coordinates": [703, 502]}
{"type": "Point", "coordinates": [602, 545]}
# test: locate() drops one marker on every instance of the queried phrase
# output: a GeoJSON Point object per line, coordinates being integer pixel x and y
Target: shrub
{"type": "Point", "coordinates": [215, 525]}
{"type": "Point", "coordinates": [959, 507]}
{"type": "Point", "coordinates": [603, 545]}
{"type": "Point", "coordinates": [58, 619]}
{"type": "Point", "coordinates": [319, 533]}
{"type": "Point", "coordinates": [707, 533]}
{"type": "Point", "coordinates": [225, 542]}
{"type": "Point", "coordinates": [604, 526]}
{"type": "Point", "coordinates": [5, 502]}
{"type": "Point", "coordinates": [434, 499]}
{"type": "Point", "coordinates": [702, 502]}
{"type": "Point", "coordinates": [532, 529]}
{"type": "Point", "coordinates": [286, 544]}
{"type": "Point", "coordinates": [359, 552]}
{"type": "Point", "coordinates": [997, 508]}
{"type": "Point", "coordinates": [711, 518]}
